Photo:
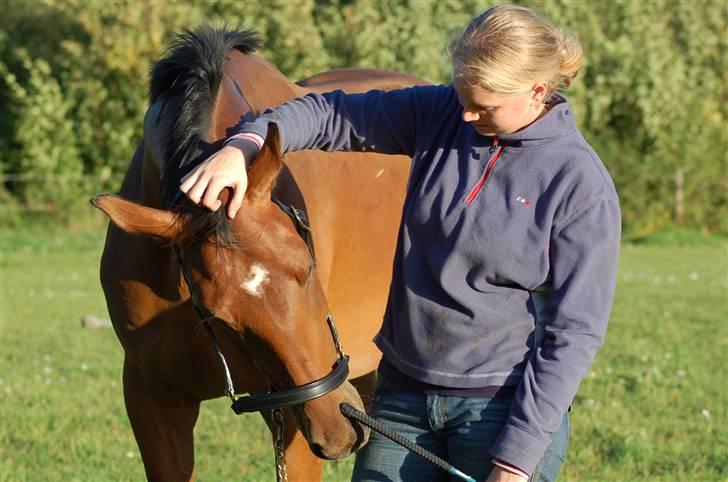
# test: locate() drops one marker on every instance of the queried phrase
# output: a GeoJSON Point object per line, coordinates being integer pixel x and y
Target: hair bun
{"type": "Point", "coordinates": [571, 54]}
{"type": "Point", "coordinates": [508, 48]}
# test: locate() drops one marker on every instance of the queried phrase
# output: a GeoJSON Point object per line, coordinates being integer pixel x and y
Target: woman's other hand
{"type": "Point", "coordinates": [225, 168]}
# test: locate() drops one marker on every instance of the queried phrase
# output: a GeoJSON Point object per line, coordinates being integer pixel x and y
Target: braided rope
{"type": "Point", "coordinates": [395, 437]}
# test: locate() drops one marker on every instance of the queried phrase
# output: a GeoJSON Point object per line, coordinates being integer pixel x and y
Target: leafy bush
{"type": "Point", "coordinates": [650, 97]}
{"type": "Point", "coordinates": [42, 131]}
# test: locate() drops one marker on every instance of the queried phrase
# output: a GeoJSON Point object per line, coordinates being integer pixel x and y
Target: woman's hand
{"type": "Point", "coordinates": [225, 168]}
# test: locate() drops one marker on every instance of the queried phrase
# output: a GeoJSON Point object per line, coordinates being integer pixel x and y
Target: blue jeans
{"type": "Point", "coordinates": [459, 430]}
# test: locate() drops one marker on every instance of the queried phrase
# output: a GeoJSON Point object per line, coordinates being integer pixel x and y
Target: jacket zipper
{"type": "Point", "coordinates": [474, 192]}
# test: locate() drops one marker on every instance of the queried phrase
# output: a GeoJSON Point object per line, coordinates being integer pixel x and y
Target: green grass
{"type": "Point", "coordinates": [652, 408]}
{"type": "Point", "coordinates": [675, 237]}
{"type": "Point", "coordinates": [654, 405]}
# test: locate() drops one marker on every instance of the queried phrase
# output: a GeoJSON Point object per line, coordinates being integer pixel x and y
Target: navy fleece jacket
{"type": "Point", "coordinates": [506, 259]}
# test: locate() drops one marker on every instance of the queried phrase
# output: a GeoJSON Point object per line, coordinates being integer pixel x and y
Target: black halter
{"type": "Point", "coordinates": [280, 398]}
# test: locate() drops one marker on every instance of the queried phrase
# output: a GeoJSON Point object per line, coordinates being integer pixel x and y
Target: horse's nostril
{"type": "Point", "coordinates": [361, 431]}
{"type": "Point", "coordinates": [317, 450]}
{"type": "Point", "coordinates": [362, 435]}
{"type": "Point", "coordinates": [347, 441]}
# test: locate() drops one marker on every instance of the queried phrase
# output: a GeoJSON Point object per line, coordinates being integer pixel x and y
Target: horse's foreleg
{"type": "Point", "coordinates": [301, 463]}
{"type": "Point", "coordinates": [163, 427]}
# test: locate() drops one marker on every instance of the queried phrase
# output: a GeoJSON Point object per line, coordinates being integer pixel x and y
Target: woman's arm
{"type": "Point", "coordinates": [584, 255]}
{"type": "Point", "coordinates": [385, 122]}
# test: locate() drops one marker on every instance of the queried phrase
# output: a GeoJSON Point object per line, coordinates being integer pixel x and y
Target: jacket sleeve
{"type": "Point", "coordinates": [385, 122]}
{"type": "Point", "coordinates": [584, 253]}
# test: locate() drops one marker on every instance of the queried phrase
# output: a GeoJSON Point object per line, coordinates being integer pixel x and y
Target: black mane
{"type": "Point", "coordinates": [190, 75]}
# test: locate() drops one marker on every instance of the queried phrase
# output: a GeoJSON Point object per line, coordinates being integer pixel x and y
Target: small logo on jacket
{"type": "Point", "coordinates": [522, 200]}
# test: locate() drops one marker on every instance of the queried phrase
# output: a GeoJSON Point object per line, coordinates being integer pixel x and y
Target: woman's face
{"type": "Point", "coordinates": [496, 115]}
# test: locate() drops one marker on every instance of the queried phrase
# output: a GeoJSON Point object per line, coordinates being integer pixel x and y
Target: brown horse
{"type": "Point", "coordinates": [255, 274]}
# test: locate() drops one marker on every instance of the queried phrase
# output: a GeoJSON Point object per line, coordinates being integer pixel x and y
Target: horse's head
{"type": "Point", "coordinates": [257, 275]}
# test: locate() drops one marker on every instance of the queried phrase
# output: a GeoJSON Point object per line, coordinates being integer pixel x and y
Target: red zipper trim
{"type": "Point", "coordinates": [474, 193]}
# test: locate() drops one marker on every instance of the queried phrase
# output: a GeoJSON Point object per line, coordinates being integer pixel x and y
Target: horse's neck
{"type": "Point", "coordinates": [250, 84]}
{"type": "Point", "coordinates": [157, 124]}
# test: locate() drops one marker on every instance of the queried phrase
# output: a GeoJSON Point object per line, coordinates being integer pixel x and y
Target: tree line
{"type": "Point", "coordinates": [650, 97]}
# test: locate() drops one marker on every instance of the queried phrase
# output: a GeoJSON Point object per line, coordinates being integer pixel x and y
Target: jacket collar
{"type": "Point", "coordinates": [558, 122]}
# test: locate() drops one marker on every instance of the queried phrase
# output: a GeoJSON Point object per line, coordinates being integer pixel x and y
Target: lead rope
{"type": "Point", "coordinates": [281, 471]}
{"type": "Point", "coordinates": [397, 438]}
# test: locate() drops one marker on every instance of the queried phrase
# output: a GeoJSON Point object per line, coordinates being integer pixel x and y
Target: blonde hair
{"type": "Point", "coordinates": [507, 49]}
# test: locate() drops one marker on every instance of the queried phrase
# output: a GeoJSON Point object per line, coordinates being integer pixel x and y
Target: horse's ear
{"type": "Point", "coordinates": [137, 219]}
{"type": "Point", "coordinates": [264, 171]}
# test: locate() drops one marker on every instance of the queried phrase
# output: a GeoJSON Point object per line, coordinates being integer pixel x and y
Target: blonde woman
{"type": "Point", "coordinates": [507, 252]}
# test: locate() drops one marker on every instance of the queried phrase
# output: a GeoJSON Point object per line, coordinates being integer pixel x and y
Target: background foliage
{"type": "Point", "coordinates": [651, 97]}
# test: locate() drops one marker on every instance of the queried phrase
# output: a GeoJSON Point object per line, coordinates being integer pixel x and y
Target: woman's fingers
{"type": "Point", "coordinates": [237, 199]}
{"type": "Point", "coordinates": [210, 200]}
{"type": "Point", "coordinates": [191, 177]}
{"type": "Point", "coordinates": [197, 190]}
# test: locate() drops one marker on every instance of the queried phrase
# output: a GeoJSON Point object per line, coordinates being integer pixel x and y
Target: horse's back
{"type": "Point", "coordinates": [355, 205]}
{"type": "Point", "coordinates": [356, 80]}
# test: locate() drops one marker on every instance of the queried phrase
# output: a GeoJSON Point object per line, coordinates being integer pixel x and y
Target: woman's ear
{"type": "Point", "coordinates": [539, 91]}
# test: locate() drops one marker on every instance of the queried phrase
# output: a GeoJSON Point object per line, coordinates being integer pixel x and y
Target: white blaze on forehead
{"type": "Point", "coordinates": [379, 174]}
{"type": "Point", "coordinates": [256, 279]}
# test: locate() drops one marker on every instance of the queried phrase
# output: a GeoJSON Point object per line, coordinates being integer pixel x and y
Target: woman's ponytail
{"type": "Point", "coordinates": [570, 53]}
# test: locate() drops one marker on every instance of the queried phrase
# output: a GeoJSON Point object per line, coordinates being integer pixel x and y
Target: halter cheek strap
{"type": "Point", "coordinates": [301, 221]}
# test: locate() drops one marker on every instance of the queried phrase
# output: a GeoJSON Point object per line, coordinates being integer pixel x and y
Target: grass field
{"type": "Point", "coordinates": [652, 408]}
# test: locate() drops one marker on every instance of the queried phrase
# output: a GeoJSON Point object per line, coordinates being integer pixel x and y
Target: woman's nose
{"type": "Point", "coordinates": [469, 116]}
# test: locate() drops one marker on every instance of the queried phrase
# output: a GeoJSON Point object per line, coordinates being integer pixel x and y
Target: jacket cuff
{"type": "Point", "coordinates": [519, 448]}
{"type": "Point", "coordinates": [510, 468]}
{"type": "Point", "coordinates": [248, 144]}
{"type": "Point", "coordinates": [247, 136]}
